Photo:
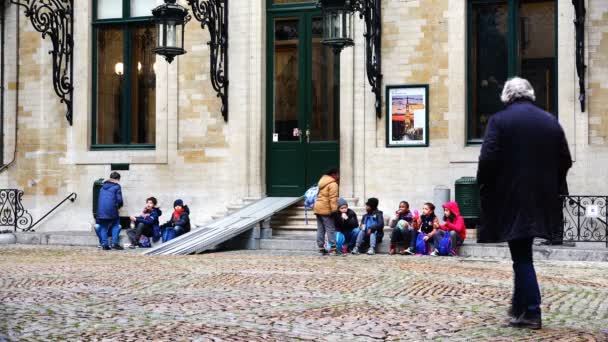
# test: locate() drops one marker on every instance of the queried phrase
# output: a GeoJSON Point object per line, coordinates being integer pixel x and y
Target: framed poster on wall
{"type": "Point", "coordinates": [407, 115]}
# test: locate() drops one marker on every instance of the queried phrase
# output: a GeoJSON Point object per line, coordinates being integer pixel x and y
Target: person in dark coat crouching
{"type": "Point", "coordinates": [179, 222]}
{"type": "Point", "coordinates": [107, 220]}
{"type": "Point", "coordinates": [523, 164]}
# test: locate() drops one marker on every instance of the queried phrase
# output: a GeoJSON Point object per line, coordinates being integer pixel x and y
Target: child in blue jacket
{"type": "Point", "coordinates": [146, 224]}
{"type": "Point", "coordinates": [372, 227]}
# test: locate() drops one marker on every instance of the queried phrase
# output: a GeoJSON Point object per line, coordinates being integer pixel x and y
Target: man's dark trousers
{"type": "Point", "coordinates": [526, 294]}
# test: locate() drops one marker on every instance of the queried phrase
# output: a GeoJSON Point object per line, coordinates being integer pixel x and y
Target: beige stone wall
{"type": "Point", "coordinates": [597, 71]}
{"type": "Point", "coordinates": [210, 163]}
{"type": "Point", "coordinates": [415, 50]}
{"type": "Point", "coordinates": [198, 157]}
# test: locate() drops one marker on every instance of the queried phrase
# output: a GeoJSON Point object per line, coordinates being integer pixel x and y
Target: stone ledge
{"type": "Point", "coordinates": [500, 251]}
{"type": "Point", "coordinates": [246, 241]}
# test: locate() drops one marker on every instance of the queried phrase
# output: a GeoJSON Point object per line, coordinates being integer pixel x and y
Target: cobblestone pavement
{"type": "Point", "coordinates": [60, 293]}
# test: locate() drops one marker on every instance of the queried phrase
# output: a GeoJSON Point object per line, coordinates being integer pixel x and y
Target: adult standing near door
{"type": "Point", "coordinates": [325, 206]}
{"type": "Point", "coordinates": [523, 164]}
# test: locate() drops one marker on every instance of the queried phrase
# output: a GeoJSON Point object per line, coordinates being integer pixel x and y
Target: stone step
{"type": "Point", "coordinates": [469, 249]}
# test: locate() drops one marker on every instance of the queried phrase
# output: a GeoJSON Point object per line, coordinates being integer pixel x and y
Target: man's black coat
{"type": "Point", "coordinates": [522, 170]}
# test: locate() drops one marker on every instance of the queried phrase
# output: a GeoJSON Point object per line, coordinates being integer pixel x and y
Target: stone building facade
{"type": "Point", "coordinates": [211, 163]}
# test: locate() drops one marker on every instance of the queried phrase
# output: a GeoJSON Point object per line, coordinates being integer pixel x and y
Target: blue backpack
{"type": "Point", "coordinates": [310, 197]}
{"type": "Point", "coordinates": [445, 245]}
{"type": "Point", "coordinates": [168, 234]}
{"type": "Point", "coordinates": [421, 247]}
{"type": "Point", "coordinates": [340, 240]}
{"type": "Point", "coordinates": [156, 234]}
{"type": "Point", "coordinates": [144, 242]}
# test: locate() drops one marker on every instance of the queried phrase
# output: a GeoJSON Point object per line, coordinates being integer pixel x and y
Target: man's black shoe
{"type": "Point", "coordinates": [526, 323]}
{"type": "Point", "coordinates": [117, 247]}
{"type": "Point", "coordinates": [513, 313]}
{"type": "Point", "coordinates": [106, 248]}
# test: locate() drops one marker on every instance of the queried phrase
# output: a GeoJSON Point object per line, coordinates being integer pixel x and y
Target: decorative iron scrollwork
{"type": "Point", "coordinates": [585, 218]}
{"type": "Point", "coordinates": [370, 12]}
{"type": "Point", "coordinates": [55, 18]}
{"type": "Point", "coordinates": [213, 15]}
{"type": "Point", "coordinates": [579, 25]}
{"type": "Point", "coordinates": [12, 213]}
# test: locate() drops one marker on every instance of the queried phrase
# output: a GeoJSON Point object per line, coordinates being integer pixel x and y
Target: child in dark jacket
{"type": "Point", "coordinates": [454, 225]}
{"type": "Point", "coordinates": [372, 227]}
{"type": "Point", "coordinates": [145, 224]}
{"type": "Point", "coordinates": [400, 223]}
{"type": "Point", "coordinates": [347, 225]}
{"type": "Point", "coordinates": [180, 219]}
{"type": "Point", "coordinates": [427, 223]}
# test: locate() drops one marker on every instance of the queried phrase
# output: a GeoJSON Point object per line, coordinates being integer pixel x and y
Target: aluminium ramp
{"type": "Point", "coordinates": [221, 230]}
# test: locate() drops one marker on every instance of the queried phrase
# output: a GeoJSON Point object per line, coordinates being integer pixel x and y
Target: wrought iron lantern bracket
{"type": "Point", "coordinates": [339, 38]}
{"type": "Point", "coordinates": [370, 12]}
{"type": "Point", "coordinates": [55, 19]}
{"type": "Point", "coordinates": [213, 15]}
{"type": "Point", "coordinates": [579, 25]}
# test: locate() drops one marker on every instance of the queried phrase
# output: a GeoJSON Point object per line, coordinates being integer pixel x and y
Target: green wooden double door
{"type": "Point", "coordinates": [303, 103]}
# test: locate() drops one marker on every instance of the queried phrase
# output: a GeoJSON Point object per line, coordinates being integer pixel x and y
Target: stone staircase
{"type": "Point", "coordinates": [291, 223]}
{"type": "Point", "coordinates": [234, 206]}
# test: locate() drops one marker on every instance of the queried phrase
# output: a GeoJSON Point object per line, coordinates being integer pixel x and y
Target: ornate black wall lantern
{"type": "Point", "coordinates": [213, 15]}
{"type": "Point", "coordinates": [579, 25]}
{"type": "Point", "coordinates": [170, 21]}
{"type": "Point", "coordinates": [55, 19]}
{"type": "Point", "coordinates": [338, 33]}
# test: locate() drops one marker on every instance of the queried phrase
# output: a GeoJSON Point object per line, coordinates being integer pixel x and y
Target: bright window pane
{"type": "Point", "coordinates": [108, 9]}
{"type": "Point", "coordinates": [143, 8]}
{"type": "Point", "coordinates": [110, 83]}
{"type": "Point", "coordinates": [280, 2]}
{"type": "Point", "coordinates": [324, 119]}
{"type": "Point", "coordinates": [286, 79]}
{"type": "Point", "coordinates": [537, 50]}
{"type": "Point", "coordinates": [143, 85]}
{"type": "Point", "coordinates": [489, 66]}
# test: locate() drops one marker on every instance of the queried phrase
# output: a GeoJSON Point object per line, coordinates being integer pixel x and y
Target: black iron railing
{"type": "Point", "coordinates": [13, 214]}
{"type": "Point", "coordinates": [585, 218]}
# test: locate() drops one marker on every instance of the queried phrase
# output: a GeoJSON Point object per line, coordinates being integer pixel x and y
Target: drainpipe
{"type": "Point", "coordinates": [17, 46]}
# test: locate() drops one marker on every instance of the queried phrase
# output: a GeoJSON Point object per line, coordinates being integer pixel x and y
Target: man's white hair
{"type": "Point", "coordinates": [517, 89]}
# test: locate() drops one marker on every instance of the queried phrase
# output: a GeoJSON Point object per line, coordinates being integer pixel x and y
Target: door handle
{"type": "Point", "coordinates": [308, 135]}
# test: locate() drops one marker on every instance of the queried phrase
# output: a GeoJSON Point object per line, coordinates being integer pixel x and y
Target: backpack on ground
{"type": "Point", "coordinates": [310, 197]}
{"type": "Point", "coordinates": [445, 245]}
{"type": "Point", "coordinates": [144, 242]}
{"type": "Point", "coordinates": [340, 241]}
{"type": "Point", "coordinates": [168, 234]}
{"type": "Point", "coordinates": [421, 246]}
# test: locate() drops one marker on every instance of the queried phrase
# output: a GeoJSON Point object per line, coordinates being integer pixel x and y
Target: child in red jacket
{"type": "Point", "coordinates": [454, 225]}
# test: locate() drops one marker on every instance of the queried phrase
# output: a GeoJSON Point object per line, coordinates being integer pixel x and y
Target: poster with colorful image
{"type": "Point", "coordinates": [407, 116]}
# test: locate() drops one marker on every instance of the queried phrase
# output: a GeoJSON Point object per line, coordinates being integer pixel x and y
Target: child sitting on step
{"type": "Point", "coordinates": [400, 222]}
{"type": "Point", "coordinates": [179, 223]}
{"type": "Point", "coordinates": [427, 224]}
{"type": "Point", "coordinates": [145, 224]}
{"type": "Point", "coordinates": [347, 225]}
{"type": "Point", "coordinates": [372, 227]}
{"type": "Point", "coordinates": [454, 225]}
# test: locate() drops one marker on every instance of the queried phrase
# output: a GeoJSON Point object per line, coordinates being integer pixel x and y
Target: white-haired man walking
{"type": "Point", "coordinates": [523, 165]}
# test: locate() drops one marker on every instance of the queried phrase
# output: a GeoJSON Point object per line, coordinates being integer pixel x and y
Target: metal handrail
{"type": "Point", "coordinates": [72, 197]}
